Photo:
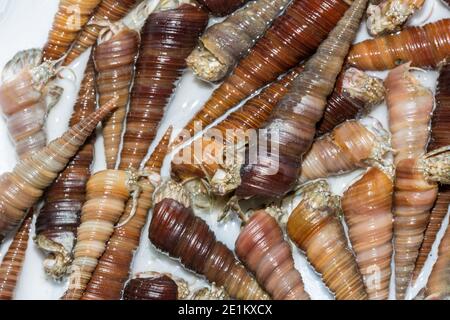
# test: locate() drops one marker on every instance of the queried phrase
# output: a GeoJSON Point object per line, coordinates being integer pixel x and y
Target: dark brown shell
{"type": "Point", "coordinates": [107, 11]}
{"type": "Point", "coordinates": [263, 249]}
{"type": "Point", "coordinates": [175, 230]}
{"type": "Point", "coordinates": [292, 38]}
{"type": "Point", "coordinates": [152, 288]}
{"type": "Point", "coordinates": [425, 46]}
{"type": "Point", "coordinates": [222, 7]}
{"type": "Point", "coordinates": [167, 39]}
{"type": "Point", "coordinates": [59, 218]}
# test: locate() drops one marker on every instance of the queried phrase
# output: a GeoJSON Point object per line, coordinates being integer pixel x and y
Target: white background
{"type": "Point", "coordinates": [25, 24]}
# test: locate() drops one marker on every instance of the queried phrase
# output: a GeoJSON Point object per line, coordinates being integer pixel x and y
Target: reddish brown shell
{"type": "Point", "coordinates": [263, 249]}
{"type": "Point", "coordinates": [438, 286]}
{"type": "Point", "coordinates": [292, 38]}
{"type": "Point", "coordinates": [57, 222]}
{"type": "Point", "coordinates": [113, 268]}
{"type": "Point", "coordinates": [114, 62]}
{"type": "Point", "coordinates": [440, 137]}
{"type": "Point", "coordinates": [175, 230]}
{"type": "Point", "coordinates": [168, 38]}
{"type": "Point", "coordinates": [425, 46]}
{"type": "Point", "coordinates": [13, 260]}
{"type": "Point", "coordinates": [70, 18]}
{"type": "Point", "coordinates": [107, 11]}
{"type": "Point", "coordinates": [274, 173]}
{"type": "Point", "coordinates": [252, 115]}
{"type": "Point", "coordinates": [367, 207]}
{"type": "Point", "coordinates": [315, 228]}
{"type": "Point", "coordinates": [152, 288]}
{"type": "Point", "coordinates": [222, 7]}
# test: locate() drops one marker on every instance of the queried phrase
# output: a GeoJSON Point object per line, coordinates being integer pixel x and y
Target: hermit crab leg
{"type": "Point", "coordinates": [114, 57]}
{"type": "Point", "coordinates": [315, 229]}
{"type": "Point", "coordinates": [222, 7]}
{"type": "Point", "coordinates": [424, 47]}
{"type": "Point", "coordinates": [389, 16]}
{"type": "Point", "coordinates": [175, 230]}
{"type": "Point", "coordinates": [25, 98]}
{"type": "Point", "coordinates": [108, 11]}
{"type": "Point", "coordinates": [24, 186]}
{"type": "Point", "coordinates": [168, 37]}
{"type": "Point", "coordinates": [262, 248]}
{"type": "Point", "coordinates": [225, 43]}
{"type": "Point", "coordinates": [113, 268]}
{"type": "Point", "coordinates": [367, 209]}
{"type": "Point", "coordinates": [351, 145]}
{"type": "Point", "coordinates": [293, 37]}
{"type": "Point", "coordinates": [70, 18]}
{"type": "Point", "coordinates": [296, 116]}
{"type": "Point", "coordinates": [59, 218]}
{"type": "Point", "coordinates": [354, 94]}
{"type": "Point", "coordinates": [13, 260]}
{"type": "Point", "coordinates": [440, 137]}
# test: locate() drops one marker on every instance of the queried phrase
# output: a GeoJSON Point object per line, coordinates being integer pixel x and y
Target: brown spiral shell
{"type": "Point", "coordinates": [156, 287]}
{"type": "Point", "coordinates": [175, 230]}
{"type": "Point", "coordinates": [348, 147]}
{"type": "Point", "coordinates": [107, 11]}
{"type": "Point", "coordinates": [114, 62]}
{"type": "Point", "coordinates": [438, 286]}
{"type": "Point", "coordinates": [355, 92]}
{"type": "Point", "coordinates": [367, 207]}
{"type": "Point", "coordinates": [70, 18]}
{"type": "Point", "coordinates": [296, 116]}
{"type": "Point", "coordinates": [222, 7]}
{"type": "Point", "coordinates": [225, 43]}
{"type": "Point", "coordinates": [292, 38]}
{"type": "Point", "coordinates": [440, 137]}
{"type": "Point", "coordinates": [315, 228]}
{"type": "Point", "coordinates": [24, 186]}
{"type": "Point", "coordinates": [57, 222]}
{"type": "Point", "coordinates": [262, 248]}
{"type": "Point", "coordinates": [13, 260]}
{"type": "Point", "coordinates": [425, 46]}
{"type": "Point", "coordinates": [167, 39]}
{"type": "Point", "coordinates": [252, 115]}
{"type": "Point", "coordinates": [410, 106]}
{"type": "Point", "coordinates": [107, 193]}
{"type": "Point", "coordinates": [113, 268]}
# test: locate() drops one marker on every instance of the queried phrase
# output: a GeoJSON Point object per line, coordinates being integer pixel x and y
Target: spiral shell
{"type": "Point", "coordinates": [296, 116]}
{"type": "Point", "coordinates": [292, 38]}
{"type": "Point", "coordinates": [438, 286]}
{"type": "Point", "coordinates": [175, 230]}
{"type": "Point", "coordinates": [348, 147]}
{"type": "Point", "coordinates": [24, 186]}
{"type": "Point", "coordinates": [167, 39]}
{"type": "Point", "coordinates": [156, 287]}
{"type": "Point", "coordinates": [57, 222]}
{"type": "Point", "coordinates": [106, 195]}
{"type": "Point", "coordinates": [367, 207]}
{"type": "Point", "coordinates": [222, 7]}
{"type": "Point", "coordinates": [70, 18]}
{"type": "Point", "coordinates": [107, 11]}
{"type": "Point", "coordinates": [113, 268]}
{"type": "Point", "coordinates": [114, 62]}
{"type": "Point", "coordinates": [440, 137]}
{"type": "Point", "coordinates": [355, 92]}
{"type": "Point", "coordinates": [315, 228]}
{"type": "Point", "coordinates": [425, 46]}
{"type": "Point", "coordinates": [23, 101]}
{"type": "Point", "coordinates": [12, 263]}
{"type": "Point", "coordinates": [225, 43]}
{"type": "Point", "coordinates": [263, 249]}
